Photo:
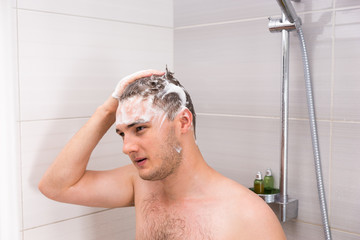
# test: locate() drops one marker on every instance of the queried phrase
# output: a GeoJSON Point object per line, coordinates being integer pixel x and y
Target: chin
{"type": "Point", "coordinates": [146, 175]}
{"type": "Point", "coordinates": [149, 177]}
{"type": "Point", "coordinates": [153, 176]}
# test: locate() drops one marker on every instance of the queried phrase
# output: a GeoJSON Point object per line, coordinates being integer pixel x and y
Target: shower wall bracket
{"type": "Point", "coordinates": [278, 24]}
{"type": "Point", "coordinates": [285, 211]}
{"type": "Point", "coordinates": [284, 207]}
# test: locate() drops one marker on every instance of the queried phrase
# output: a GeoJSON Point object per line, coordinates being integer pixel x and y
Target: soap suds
{"type": "Point", "coordinates": [135, 108]}
{"type": "Point", "coordinates": [162, 121]}
{"type": "Point", "coordinates": [139, 107]}
{"type": "Point", "coordinates": [178, 149]}
{"type": "Point", "coordinates": [172, 88]}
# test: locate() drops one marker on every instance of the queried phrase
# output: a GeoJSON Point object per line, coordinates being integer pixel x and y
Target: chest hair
{"type": "Point", "coordinates": [171, 223]}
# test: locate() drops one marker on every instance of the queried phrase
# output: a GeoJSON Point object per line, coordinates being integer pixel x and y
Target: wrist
{"type": "Point", "coordinates": [110, 105]}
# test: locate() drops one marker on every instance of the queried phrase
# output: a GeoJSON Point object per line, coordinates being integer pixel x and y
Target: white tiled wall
{"type": "Point", "coordinates": [66, 60]}
{"type": "Point", "coordinates": [347, 72]}
{"type": "Point", "coordinates": [155, 12]}
{"type": "Point", "coordinates": [344, 195]}
{"type": "Point", "coordinates": [71, 54]}
{"type": "Point", "coordinates": [108, 225]}
{"type": "Point", "coordinates": [212, 11]}
{"type": "Point", "coordinates": [230, 63]}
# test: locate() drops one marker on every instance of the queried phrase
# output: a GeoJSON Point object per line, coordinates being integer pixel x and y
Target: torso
{"type": "Point", "coordinates": [224, 211]}
{"type": "Point", "coordinates": [157, 220]}
{"type": "Point", "coordinates": [204, 218]}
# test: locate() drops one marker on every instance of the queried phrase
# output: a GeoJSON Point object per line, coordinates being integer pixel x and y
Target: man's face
{"type": "Point", "coordinates": [149, 138]}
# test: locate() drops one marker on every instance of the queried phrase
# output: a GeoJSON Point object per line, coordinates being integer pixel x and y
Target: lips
{"type": "Point", "coordinates": [140, 161]}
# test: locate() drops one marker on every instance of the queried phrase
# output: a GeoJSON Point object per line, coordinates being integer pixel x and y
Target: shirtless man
{"type": "Point", "coordinates": [175, 193]}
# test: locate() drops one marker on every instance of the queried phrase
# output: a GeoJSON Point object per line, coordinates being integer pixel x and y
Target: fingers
{"type": "Point", "coordinates": [144, 73]}
{"type": "Point", "coordinates": [133, 77]}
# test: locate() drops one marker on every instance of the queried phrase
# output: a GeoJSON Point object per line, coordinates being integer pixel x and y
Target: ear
{"type": "Point", "coordinates": [185, 120]}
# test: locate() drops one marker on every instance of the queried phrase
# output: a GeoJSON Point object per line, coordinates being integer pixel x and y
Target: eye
{"type": "Point", "coordinates": [140, 128]}
{"type": "Point", "coordinates": [122, 134]}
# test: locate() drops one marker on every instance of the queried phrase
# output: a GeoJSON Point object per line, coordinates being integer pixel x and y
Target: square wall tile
{"type": "Point", "coordinates": [346, 3]}
{"type": "Point", "coordinates": [296, 230]}
{"type": "Point", "coordinates": [41, 142]}
{"type": "Point", "coordinates": [70, 65]}
{"type": "Point", "coordinates": [317, 31]}
{"type": "Point", "coordinates": [345, 204]}
{"type": "Point", "coordinates": [230, 68]}
{"type": "Point", "coordinates": [158, 12]}
{"type": "Point", "coordinates": [302, 184]}
{"type": "Point", "coordinates": [112, 224]}
{"type": "Point", "coordinates": [239, 147]}
{"type": "Point", "coordinates": [340, 235]}
{"type": "Point", "coordinates": [189, 12]}
{"type": "Point", "coordinates": [235, 68]}
{"type": "Point", "coordinates": [347, 61]}
{"type": "Point", "coordinates": [309, 5]}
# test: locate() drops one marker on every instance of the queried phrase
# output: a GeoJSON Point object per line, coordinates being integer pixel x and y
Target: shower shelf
{"type": "Point", "coordinates": [269, 196]}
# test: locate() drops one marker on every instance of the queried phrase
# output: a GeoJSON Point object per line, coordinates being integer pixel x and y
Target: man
{"type": "Point", "coordinates": [175, 193]}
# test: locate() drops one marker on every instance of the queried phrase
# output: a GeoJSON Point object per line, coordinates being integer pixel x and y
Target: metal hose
{"type": "Point", "coordinates": [314, 136]}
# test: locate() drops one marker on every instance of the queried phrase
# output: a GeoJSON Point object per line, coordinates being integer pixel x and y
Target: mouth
{"type": "Point", "coordinates": [140, 161]}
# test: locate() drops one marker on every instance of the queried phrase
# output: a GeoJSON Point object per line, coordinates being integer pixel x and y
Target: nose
{"type": "Point", "coordinates": [130, 146]}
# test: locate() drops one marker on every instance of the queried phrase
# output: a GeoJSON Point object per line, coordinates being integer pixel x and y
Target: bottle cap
{"type": "Point", "coordinates": [268, 172]}
{"type": "Point", "coordinates": [258, 176]}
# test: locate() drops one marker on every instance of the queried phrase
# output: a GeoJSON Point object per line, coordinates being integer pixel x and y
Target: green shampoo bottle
{"type": "Point", "coordinates": [259, 184]}
{"type": "Point", "coordinates": [268, 181]}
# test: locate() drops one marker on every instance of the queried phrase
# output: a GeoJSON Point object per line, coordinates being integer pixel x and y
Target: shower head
{"type": "Point", "coordinates": [289, 11]}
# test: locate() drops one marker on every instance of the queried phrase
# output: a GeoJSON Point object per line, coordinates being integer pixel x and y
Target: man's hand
{"type": "Point", "coordinates": [120, 87]}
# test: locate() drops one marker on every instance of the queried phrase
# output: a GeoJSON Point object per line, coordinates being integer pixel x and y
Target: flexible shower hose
{"type": "Point", "coordinates": [314, 136]}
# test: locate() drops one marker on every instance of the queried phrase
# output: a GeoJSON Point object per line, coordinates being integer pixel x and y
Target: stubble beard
{"type": "Point", "coordinates": [171, 159]}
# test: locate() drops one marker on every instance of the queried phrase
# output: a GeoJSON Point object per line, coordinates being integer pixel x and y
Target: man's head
{"type": "Point", "coordinates": [153, 115]}
{"type": "Point", "coordinates": [160, 93]}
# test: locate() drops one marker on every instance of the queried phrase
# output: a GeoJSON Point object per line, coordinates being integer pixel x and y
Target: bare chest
{"type": "Point", "coordinates": [157, 221]}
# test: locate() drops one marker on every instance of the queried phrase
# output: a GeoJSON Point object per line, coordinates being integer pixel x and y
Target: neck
{"type": "Point", "coordinates": [188, 181]}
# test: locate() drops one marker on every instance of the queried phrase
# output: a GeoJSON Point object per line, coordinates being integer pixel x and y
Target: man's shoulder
{"type": "Point", "coordinates": [233, 188]}
{"type": "Point", "coordinates": [245, 212]}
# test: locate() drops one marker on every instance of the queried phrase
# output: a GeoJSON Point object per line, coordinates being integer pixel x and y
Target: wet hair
{"type": "Point", "coordinates": [157, 87]}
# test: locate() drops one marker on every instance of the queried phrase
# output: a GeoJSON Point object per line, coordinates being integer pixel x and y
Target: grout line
{"type": "Point", "coordinates": [237, 116]}
{"type": "Point", "coordinates": [345, 8]}
{"type": "Point", "coordinates": [95, 18]}
{"type": "Point", "coordinates": [321, 225]}
{"type": "Point", "coordinates": [67, 219]}
{"type": "Point", "coordinates": [310, 223]}
{"type": "Point", "coordinates": [261, 18]}
{"type": "Point", "coordinates": [18, 67]}
{"type": "Point", "coordinates": [332, 63]}
{"type": "Point", "coordinates": [54, 119]}
{"type": "Point", "coordinates": [331, 9]}
{"type": "Point", "coordinates": [347, 232]}
{"type": "Point", "coordinates": [221, 23]}
{"type": "Point", "coordinates": [276, 118]}
{"type": "Point", "coordinates": [206, 114]}
{"type": "Point", "coordinates": [331, 110]}
{"type": "Point", "coordinates": [20, 177]}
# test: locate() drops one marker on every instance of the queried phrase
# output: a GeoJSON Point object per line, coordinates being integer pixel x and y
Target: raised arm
{"type": "Point", "coordinates": [67, 179]}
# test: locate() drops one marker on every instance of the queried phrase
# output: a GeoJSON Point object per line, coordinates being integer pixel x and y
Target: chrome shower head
{"type": "Point", "coordinates": [289, 11]}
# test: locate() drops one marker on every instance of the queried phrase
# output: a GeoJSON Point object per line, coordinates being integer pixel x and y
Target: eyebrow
{"type": "Point", "coordinates": [140, 121]}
